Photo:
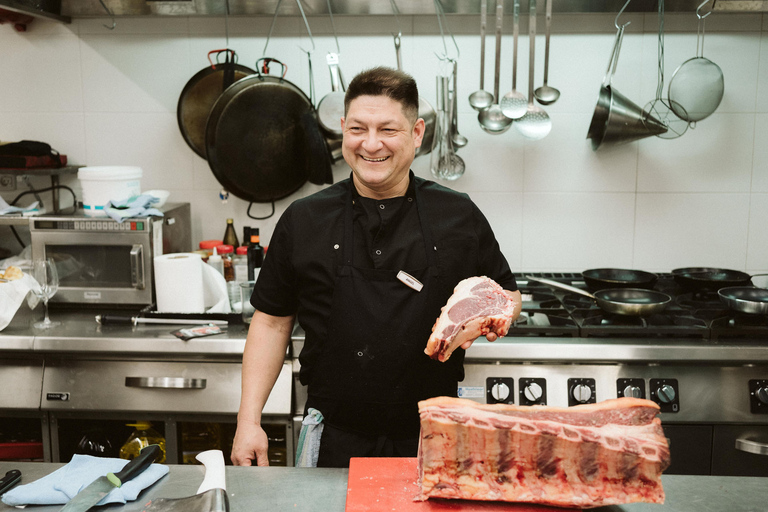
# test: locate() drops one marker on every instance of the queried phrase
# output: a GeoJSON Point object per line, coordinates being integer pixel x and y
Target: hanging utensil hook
{"type": "Point", "coordinates": [700, 29]}
{"type": "Point", "coordinates": [333, 26]}
{"type": "Point", "coordinates": [616, 21]}
{"type": "Point", "coordinates": [110, 15]}
{"type": "Point", "coordinates": [396, 12]}
{"type": "Point", "coordinates": [441, 11]}
{"type": "Point", "coordinates": [226, 21]}
{"type": "Point", "coordinates": [306, 24]}
{"type": "Point", "coordinates": [698, 9]}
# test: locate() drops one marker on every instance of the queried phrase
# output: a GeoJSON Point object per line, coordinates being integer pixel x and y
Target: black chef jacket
{"type": "Point", "coordinates": [298, 272]}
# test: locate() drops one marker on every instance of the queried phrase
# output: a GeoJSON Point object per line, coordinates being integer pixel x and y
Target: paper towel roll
{"type": "Point", "coordinates": [179, 283]}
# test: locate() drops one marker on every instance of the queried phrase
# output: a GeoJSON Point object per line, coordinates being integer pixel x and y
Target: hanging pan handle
{"type": "Point", "coordinates": [264, 66]}
{"type": "Point", "coordinates": [230, 57]}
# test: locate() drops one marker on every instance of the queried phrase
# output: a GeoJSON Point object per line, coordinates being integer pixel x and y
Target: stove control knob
{"type": "Point", "coordinates": [533, 392]}
{"type": "Point", "coordinates": [581, 393]}
{"type": "Point", "coordinates": [500, 391]}
{"type": "Point", "coordinates": [762, 394]}
{"type": "Point", "coordinates": [633, 391]}
{"type": "Point", "coordinates": [666, 393]}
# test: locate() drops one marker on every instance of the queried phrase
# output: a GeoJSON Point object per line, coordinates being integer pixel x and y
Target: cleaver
{"type": "Point", "coordinates": [211, 495]}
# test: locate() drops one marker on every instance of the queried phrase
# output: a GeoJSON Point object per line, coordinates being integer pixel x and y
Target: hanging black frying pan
{"type": "Point", "coordinates": [703, 279]}
{"type": "Point", "coordinates": [201, 92]}
{"type": "Point", "coordinates": [620, 301]}
{"type": "Point", "coordinates": [262, 139]}
{"type": "Point", "coordinates": [745, 299]}
{"type": "Point", "coordinates": [602, 278]}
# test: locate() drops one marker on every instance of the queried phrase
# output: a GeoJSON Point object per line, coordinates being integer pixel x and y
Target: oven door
{"type": "Point", "coordinates": [103, 268]}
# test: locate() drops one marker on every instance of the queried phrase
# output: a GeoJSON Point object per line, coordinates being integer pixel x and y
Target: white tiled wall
{"type": "Point", "coordinates": [109, 98]}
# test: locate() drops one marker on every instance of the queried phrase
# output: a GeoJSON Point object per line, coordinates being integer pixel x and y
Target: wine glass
{"type": "Point", "coordinates": [44, 272]}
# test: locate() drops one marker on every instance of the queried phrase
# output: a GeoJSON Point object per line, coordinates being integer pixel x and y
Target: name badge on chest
{"type": "Point", "coordinates": [409, 281]}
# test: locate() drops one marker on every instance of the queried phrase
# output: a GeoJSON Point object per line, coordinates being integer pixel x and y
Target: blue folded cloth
{"type": "Point", "coordinates": [137, 206]}
{"type": "Point", "coordinates": [309, 439]}
{"type": "Point", "coordinates": [63, 484]}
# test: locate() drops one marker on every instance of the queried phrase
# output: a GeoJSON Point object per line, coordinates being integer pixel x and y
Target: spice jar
{"type": "Point", "coordinates": [226, 252]}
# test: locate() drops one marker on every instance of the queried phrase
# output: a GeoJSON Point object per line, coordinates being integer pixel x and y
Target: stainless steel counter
{"type": "Point", "coordinates": [79, 334]}
{"type": "Point", "coordinates": [324, 490]}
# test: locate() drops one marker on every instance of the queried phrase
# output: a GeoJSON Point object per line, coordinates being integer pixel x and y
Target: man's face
{"type": "Point", "coordinates": [379, 145]}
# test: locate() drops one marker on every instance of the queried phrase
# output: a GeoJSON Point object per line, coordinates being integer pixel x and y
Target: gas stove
{"type": "Point", "coordinates": [703, 364]}
{"type": "Point", "coordinates": [697, 315]}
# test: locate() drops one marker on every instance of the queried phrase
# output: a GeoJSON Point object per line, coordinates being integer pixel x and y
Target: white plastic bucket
{"type": "Point", "coordinates": [102, 184]}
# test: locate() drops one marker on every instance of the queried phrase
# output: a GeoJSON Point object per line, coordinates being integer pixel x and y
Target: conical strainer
{"type": "Point", "coordinates": [616, 118]}
{"type": "Point", "coordinates": [697, 86]}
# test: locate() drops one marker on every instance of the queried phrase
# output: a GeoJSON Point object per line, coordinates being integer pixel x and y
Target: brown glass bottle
{"type": "Point", "coordinates": [230, 237]}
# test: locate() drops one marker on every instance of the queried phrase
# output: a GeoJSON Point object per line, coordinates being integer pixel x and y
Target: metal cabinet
{"type": "Point", "coordinates": [740, 450]}
{"type": "Point", "coordinates": [172, 395]}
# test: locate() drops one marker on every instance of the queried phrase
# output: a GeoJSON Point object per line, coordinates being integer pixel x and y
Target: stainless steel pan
{"type": "Point", "coordinates": [711, 279]}
{"type": "Point", "coordinates": [620, 301]}
{"type": "Point", "coordinates": [602, 278]}
{"type": "Point", "coordinates": [745, 299]}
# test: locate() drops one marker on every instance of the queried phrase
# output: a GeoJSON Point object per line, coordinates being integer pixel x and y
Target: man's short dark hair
{"type": "Point", "coordinates": [383, 81]}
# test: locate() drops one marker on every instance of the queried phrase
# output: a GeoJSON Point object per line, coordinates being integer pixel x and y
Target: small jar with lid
{"type": "Point", "coordinates": [226, 252]}
{"type": "Point", "coordinates": [240, 264]}
{"type": "Point", "coordinates": [207, 246]}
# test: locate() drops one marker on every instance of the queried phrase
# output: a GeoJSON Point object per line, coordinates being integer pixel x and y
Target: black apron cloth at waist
{"type": "Point", "coordinates": [372, 369]}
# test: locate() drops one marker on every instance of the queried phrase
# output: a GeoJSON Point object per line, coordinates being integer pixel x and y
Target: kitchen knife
{"type": "Point", "coordinates": [211, 495]}
{"type": "Point", "coordinates": [10, 479]}
{"type": "Point", "coordinates": [102, 486]}
{"type": "Point", "coordinates": [135, 320]}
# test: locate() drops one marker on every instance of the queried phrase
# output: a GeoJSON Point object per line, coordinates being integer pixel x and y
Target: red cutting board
{"type": "Point", "coordinates": [390, 484]}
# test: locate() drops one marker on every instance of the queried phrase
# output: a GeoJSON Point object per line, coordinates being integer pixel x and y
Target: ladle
{"type": "Point", "coordinates": [545, 94]}
{"type": "Point", "coordinates": [481, 99]}
{"type": "Point", "coordinates": [492, 119]}
{"type": "Point", "coordinates": [514, 104]}
{"type": "Point", "coordinates": [459, 141]}
{"type": "Point", "coordinates": [535, 124]}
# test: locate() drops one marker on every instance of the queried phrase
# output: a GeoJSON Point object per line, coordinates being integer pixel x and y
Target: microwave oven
{"type": "Point", "coordinates": [102, 261]}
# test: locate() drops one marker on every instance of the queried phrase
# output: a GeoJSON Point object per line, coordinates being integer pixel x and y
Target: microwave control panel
{"type": "Point", "coordinates": [106, 225]}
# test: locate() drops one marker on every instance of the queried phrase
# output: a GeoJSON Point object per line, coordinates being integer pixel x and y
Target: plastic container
{"type": "Point", "coordinates": [143, 436]}
{"type": "Point", "coordinates": [240, 264]}
{"type": "Point", "coordinates": [208, 245]}
{"type": "Point", "coordinates": [102, 184]}
{"type": "Point", "coordinates": [216, 261]}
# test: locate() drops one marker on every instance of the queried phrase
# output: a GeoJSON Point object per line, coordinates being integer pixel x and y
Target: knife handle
{"type": "Point", "coordinates": [139, 464]}
{"type": "Point", "coordinates": [115, 320]}
{"type": "Point", "coordinates": [10, 479]}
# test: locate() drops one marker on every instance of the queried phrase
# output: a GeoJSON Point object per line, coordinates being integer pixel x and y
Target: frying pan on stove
{"type": "Point", "coordinates": [711, 279]}
{"type": "Point", "coordinates": [619, 301]}
{"type": "Point", "coordinates": [745, 299]}
{"type": "Point", "coordinates": [601, 278]}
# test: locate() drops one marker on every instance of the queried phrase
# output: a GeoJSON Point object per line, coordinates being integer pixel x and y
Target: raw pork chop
{"type": "Point", "coordinates": [478, 306]}
{"type": "Point", "coordinates": [585, 456]}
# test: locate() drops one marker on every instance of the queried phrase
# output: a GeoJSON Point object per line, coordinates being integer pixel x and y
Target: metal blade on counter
{"type": "Point", "coordinates": [211, 495]}
{"type": "Point", "coordinates": [135, 320]}
{"type": "Point", "coordinates": [103, 485]}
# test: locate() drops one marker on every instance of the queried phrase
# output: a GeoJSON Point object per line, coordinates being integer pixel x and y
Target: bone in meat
{"type": "Point", "coordinates": [478, 306]}
{"type": "Point", "coordinates": [608, 453]}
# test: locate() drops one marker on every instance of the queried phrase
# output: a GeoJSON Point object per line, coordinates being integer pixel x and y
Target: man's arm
{"type": "Point", "coordinates": [263, 357]}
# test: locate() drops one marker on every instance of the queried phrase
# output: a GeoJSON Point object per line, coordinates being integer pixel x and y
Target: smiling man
{"type": "Point", "coordinates": [365, 266]}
